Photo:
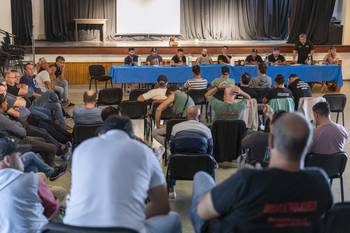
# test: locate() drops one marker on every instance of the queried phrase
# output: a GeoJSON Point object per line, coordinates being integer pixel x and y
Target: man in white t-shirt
{"type": "Point", "coordinates": [158, 94]}
{"type": "Point", "coordinates": [43, 77]}
{"type": "Point", "coordinates": [112, 177]}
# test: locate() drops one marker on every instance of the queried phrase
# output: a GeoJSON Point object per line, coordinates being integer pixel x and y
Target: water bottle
{"type": "Point", "coordinates": [139, 61]}
{"type": "Point", "coordinates": [189, 60]}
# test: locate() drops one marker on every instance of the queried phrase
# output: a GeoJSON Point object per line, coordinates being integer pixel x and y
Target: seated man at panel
{"type": "Point", "coordinates": [179, 58]}
{"type": "Point", "coordinates": [276, 58]}
{"type": "Point", "coordinates": [197, 83]}
{"type": "Point", "coordinates": [263, 80]}
{"type": "Point", "coordinates": [180, 102]}
{"type": "Point", "coordinates": [224, 58]}
{"type": "Point", "coordinates": [282, 198]}
{"type": "Point", "coordinates": [225, 78]}
{"type": "Point", "coordinates": [154, 59]}
{"type": "Point", "coordinates": [158, 94]}
{"type": "Point", "coordinates": [27, 203]}
{"type": "Point", "coordinates": [299, 88]}
{"type": "Point", "coordinates": [228, 109]}
{"type": "Point", "coordinates": [89, 114]}
{"type": "Point", "coordinates": [204, 58]}
{"type": "Point", "coordinates": [253, 58]}
{"type": "Point", "coordinates": [332, 56]}
{"type": "Point", "coordinates": [60, 81]}
{"type": "Point", "coordinates": [280, 91]}
{"type": "Point", "coordinates": [113, 201]}
{"type": "Point", "coordinates": [244, 85]}
{"type": "Point", "coordinates": [329, 137]}
{"type": "Point", "coordinates": [132, 58]}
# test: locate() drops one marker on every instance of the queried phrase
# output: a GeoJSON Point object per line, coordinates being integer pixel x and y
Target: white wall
{"type": "Point", "coordinates": [5, 15]}
{"type": "Point", "coordinates": [38, 19]}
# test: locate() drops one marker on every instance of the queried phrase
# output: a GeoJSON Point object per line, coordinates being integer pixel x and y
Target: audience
{"type": "Point", "coordinates": [60, 79]}
{"type": "Point", "coordinates": [204, 58]}
{"type": "Point", "coordinates": [197, 83]}
{"type": "Point", "coordinates": [262, 81]}
{"type": "Point", "coordinates": [276, 58]}
{"type": "Point", "coordinates": [154, 59]}
{"type": "Point", "coordinates": [331, 57]}
{"type": "Point", "coordinates": [89, 113]}
{"type": "Point", "coordinates": [158, 94]}
{"type": "Point", "coordinates": [282, 198]}
{"type": "Point", "coordinates": [253, 58]}
{"type": "Point", "coordinates": [131, 174]}
{"type": "Point", "coordinates": [225, 78]}
{"type": "Point", "coordinates": [179, 58]}
{"type": "Point", "coordinates": [329, 137]}
{"type": "Point", "coordinates": [132, 59]}
{"type": "Point", "coordinates": [224, 58]}
{"type": "Point", "coordinates": [280, 91]}
{"type": "Point", "coordinates": [299, 88]}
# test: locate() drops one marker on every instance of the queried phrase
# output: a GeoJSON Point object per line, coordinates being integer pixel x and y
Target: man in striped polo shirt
{"type": "Point", "coordinates": [197, 83]}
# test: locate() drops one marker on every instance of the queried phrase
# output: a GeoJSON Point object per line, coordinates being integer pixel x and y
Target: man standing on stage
{"type": "Point", "coordinates": [304, 49]}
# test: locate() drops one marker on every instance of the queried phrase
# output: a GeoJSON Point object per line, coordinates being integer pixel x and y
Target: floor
{"type": "Point", "coordinates": [184, 188]}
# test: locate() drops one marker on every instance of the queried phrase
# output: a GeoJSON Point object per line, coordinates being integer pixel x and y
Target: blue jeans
{"type": "Point", "coordinates": [202, 183]}
{"type": "Point", "coordinates": [64, 84]}
{"type": "Point", "coordinates": [170, 223]}
{"type": "Point", "coordinates": [32, 163]}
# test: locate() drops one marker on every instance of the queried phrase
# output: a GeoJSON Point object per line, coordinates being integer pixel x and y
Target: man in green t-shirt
{"type": "Point", "coordinates": [225, 78]}
{"type": "Point", "coordinates": [228, 109]}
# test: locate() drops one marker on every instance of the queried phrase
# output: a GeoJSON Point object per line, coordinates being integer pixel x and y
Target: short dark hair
{"type": "Point", "coordinates": [293, 76]}
{"type": "Point", "coordinates": [262, 68]}
{"type": "Point", "coordinates": [170, 90]}
{"type": "Point", "coordinates": [225, 47]}
{"type": "Point", "coordinates": [117, 122]}
{"type": "Point", "coordinates": [322, 109]}
{"type": "Point", "coordinates": [245, 78]}
{"type": "Point", "coordinates": [26, 65]}
{"type": "Point", "coordinates": [180, 49]}
{"type": "Point", "coordinates": [225, 70]}
{"type": "Point", "coordinates": [196, 69]}
{"type": "Point", "coordinates": [279, 79]}
{"type": "Point", "coordinates": [109, 111]}
{"type": "Point", "coordinates": [89, 97]}
{"type": "Point", "coordinates": [60, 58]}
{"type": "Point", "coordinates": [131, 49]}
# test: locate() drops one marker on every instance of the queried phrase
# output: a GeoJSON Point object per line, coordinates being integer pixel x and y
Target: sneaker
{"type": "Point", "coordinates": [159, 151]}
{"type": "Point", "coordinates": [59, 171]}
{"type": "Point", "coordinates": [172, 195]}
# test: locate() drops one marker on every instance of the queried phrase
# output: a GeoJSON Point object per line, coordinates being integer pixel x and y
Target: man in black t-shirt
{"type": "Point", "coordinates": [253, 58]}
{"type": "Point", "coordinates": [282, 198]}
{"type": "Point", "coordinates": [299, 88]}
{"type": "Point", "coordinates": [179, 58]}
{"type": "Point", "coordinates": [303, 49]}
{"type": "Point", "coordinates": [132, 58]}
{"type": "Point", "coordinates": [280, 91]}
{"type": "Point", "coordinates": [276, 58]}
{"type": "Point", "coordinates": [224, 58]}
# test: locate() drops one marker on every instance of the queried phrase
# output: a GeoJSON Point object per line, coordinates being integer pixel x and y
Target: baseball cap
{"type": "Point", "coordinates": [162, 79]}
{"type": "Point", "coordinates": [8, 147]}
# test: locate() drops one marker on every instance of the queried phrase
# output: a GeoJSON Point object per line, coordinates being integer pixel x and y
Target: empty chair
{"type": "Point", "coordinates": [337, 104]}
{"type": "Point", "coordinates": [334, 165]}
{"type": "Point", "coordinates": [134, 94]}
{"type": "Point", "coordinates": [98, 73]}
{"type": "Point", "coordinates": [336, 219]}
{"type": "Point", "coordinates": [305, 106]}
{"type": "Point", "coordinates": [135, 110]}
{"type": "Point", "coordinates": [62, 228]}
{"type": "Point", "coordinates": [84, 132]}
{"type": "Point", "coordinates": [110, 96]}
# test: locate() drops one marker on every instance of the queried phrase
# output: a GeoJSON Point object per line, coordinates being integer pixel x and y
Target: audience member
{"type": "Point", "coordinates": [125, 162]}
{"type": "Point", "coordinates": [304, 49]}
{"type": "Point", "coordinates": [331, 57]}
{"type": "Point", "coordinates": [132, 59]}
{"type": "Point", "coordinates": [43, 76]}
{"type": "Point", "coordinates": [276, 58]}
{"type": "Point", "coordinates": [204, 58]}
{"type": "Point", "coordinates": [89, 113]}
{"type": "Point", "coordinates": [329, 137]}
{"type": "Point", "coordinates": [224, 58]}
{"type": "Point", "coordinates": [158, 94]}
{"type": "Point", "coordinates": [60, 79]}
{"type": "Point", "coordinates": [262, 81]}
{"type": "Point", "coordinates": [253, 58]}
{"type": "Point", "coordinates": [263, 200]}
{"type": "Point", "coordinates": [225, 78]}
{"type": "Point", "coordinates": [154, 59]}
{"type": "Point", "coordinates": [13, 86]}
{"type": "Point", "coordinates": [280, 91]}
{"type": "Point", "coordinates": [197, 83]}
{"type": "Point", "coordinates": [299, 88]}
{"type": "Point", "coordinates": [244, 85]}
{"type": "Point", "coordinates": [179, 58]}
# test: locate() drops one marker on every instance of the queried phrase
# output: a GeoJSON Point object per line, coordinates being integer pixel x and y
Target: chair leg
{"type": "Point", "coordinates": [343, 114]}
{"type": "Point", "coordinates": [96, 85]}
{"type": "Point", "coordinates": [337, 117]}
{"type": "Point", "coordinates": [342, 189]}
{"type": "Point", "coordinates": [105, 84]}
{"type": "Point", "coordinates": [90, 84]}
{"type": "Point", "coordinates": [111, 83]}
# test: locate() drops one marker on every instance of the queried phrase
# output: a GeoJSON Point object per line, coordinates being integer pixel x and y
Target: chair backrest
{"type": "Point", "coordinates": [336, 102]}
{"type": "Point", "coordinates": [169, 127]}
{"type": "Point", "coordinates": [134, 94]}
{"type": "Point", "coordinates": [334, 165]}
{"type": "Point", "coordinates": [336, 219]}
{"type": "Point", "coordinates": [260, 93]}
{"type": "Point", "coordinates": [166, 114]}
{"type": "Point", "coordinates": [63, 228]}
{"type": "Point", "coordinates": [197, 96]}
{"type": "Point", "coordinates": [305, 106]}
{"type": "Point", "coordinates": [227, 138]}
{"type": "Point", "coordinates": [185, 166]}
{"type": "Point", "coordinates": [96, 70]}
{"type": "Point", "coordinates": [282, 104]}
{"type": "Point", "coordinates": [84, 132]}
{"type": "Point", "coordinates": [110, 96]}
{"type": "Point", "coordinates": [133, 109]}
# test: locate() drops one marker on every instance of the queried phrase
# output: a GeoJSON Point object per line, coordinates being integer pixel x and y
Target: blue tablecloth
{"type": "Point", "coordinates": [149, 74]}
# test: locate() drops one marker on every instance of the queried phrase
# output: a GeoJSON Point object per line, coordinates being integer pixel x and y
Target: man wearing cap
{"type": "Point", "coordinates": [225, 78]}
{"type": "Point", "coordinates": [132, 58]}
{"type": "Point", "coordinates": [26, 201]}
{"type": "Point", "coordinates": [158, 94]}
{"type": "Point", "coordinates": [276, 58]}
{"type": "Point", "coordinates": [253, 58]}
{"type": "Point", "coordinates": [154, 59]}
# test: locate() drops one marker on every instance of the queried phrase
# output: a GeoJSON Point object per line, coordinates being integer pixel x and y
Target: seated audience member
{"type": "Point", "coordinates": [204, 58]}
{"type": "Point", "coordinates": [132, 58]}
{"type": "Point", "coordinates": [225, 78]}
{"type": "Point", "coordinates": [253, 58]}
{"type": "Point", "coordinates": [254, 200]}
{"type": "Point", "coordinates": [27, 201]}
{"type": "Point", "coordinates": [331, 57]}
{"type": "Point", "coordinates": [154, 59]}
{"type": "Point", "coordinates": [158, 94]}
{"type": "Point", "coordinates": [113, 201]}
{"type": "Point", "coordinates": [179, 102]}
{"type": "Point", "coordinates": [329, 137]}
{"type": "Point", "coordinates": [179, 58]}
{"type": "Point", "coordinates": [262, 81]}
{"type": "Point", "coordinates": [60, 81]}
{"type": "Point", "coordinates": [13, 86]}
{"type": "Point", "coordinates": [89, 114]}
{"type": "Point", "coordinates": [276, 58]}
{"type": "Point", "coordinates": [244, 85]}
{"type": "Point", "coordinates": [224, 58]}
{"type": "Point", "coordinates": [228, 109]}
{"type": "Point", "coordinates": [280, 91]}
{"type": "Point", "coordinates": [43, 77]}
{"type": "Point", "coordinates": [197, 83]}
{"type": "Point", "coordinates": [299, 88]}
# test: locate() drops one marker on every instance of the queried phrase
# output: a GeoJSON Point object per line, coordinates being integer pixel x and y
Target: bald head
{"type": "Point", "coordinates": [193, 113]}
{"type": "Point", "coordinates": [89, 97]}
{"type": "Point", "coordinates": [291, 136]}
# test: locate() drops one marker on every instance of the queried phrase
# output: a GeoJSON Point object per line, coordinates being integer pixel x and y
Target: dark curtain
{"type": "Point", "coordinates": [311, 17]}
{"type": "Point", "coordinates": [59, 15]}
{"type": "Point", "coordinates": [22, 21]}
{"type": "Point", "coordinates": [234, 19]}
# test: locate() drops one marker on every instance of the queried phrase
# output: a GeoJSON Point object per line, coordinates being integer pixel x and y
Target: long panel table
{"type": "Point", "coordinates": [149, 74]}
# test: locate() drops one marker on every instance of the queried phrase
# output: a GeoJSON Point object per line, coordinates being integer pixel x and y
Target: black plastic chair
{"type": "Point", "coordinates": [260, 93]}
{"type": "Point", "coordinates": [337, 104]}
{"type": "Point", "coordinates": [167, 114]}
{"type": "Point", "coordinates": [135, 110]}
{"type": "Point", "coordinates": [84, 132]}
{"type": "Point", "coordinates": [336, 219]}
{"type": "Point", "coordinates": [199, 99]}
{"type": "Point", "coordinates": [110, 96]}
{"type": "Point", "coordinates": [98, 73]}
{"type": "Point", "coordinates": [334, 166]}
{"type": "Point", "coordinates": [134, 94]}
{"type": "Point", "coordinates": [63, 228]}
